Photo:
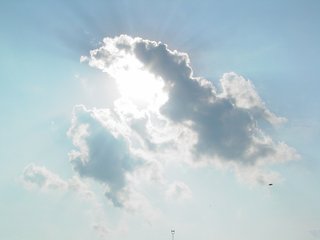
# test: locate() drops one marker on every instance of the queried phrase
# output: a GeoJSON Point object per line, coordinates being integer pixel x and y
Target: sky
{"type": "Point", "coordinates": [126, 119]}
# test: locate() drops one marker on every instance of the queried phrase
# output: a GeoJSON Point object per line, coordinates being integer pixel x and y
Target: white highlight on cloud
{"type": "Point", "coordinates": [243, 94]}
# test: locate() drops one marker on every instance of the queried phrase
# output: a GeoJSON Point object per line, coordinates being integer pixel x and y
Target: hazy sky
{"type": "Point", "coordinates": [126, 119]}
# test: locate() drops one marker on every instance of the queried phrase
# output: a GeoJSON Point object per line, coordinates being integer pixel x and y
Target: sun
{"type": "Point", "coordinates": [137, 84]}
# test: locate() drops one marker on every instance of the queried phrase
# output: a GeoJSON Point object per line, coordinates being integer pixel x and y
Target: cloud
{"type": "Point", "coordinates": [253, 175]}
{"type": "Point", "coordinates": [164, 116]}
{"type": "Point", "coordinates": [40, 177]}
{"type": "Point", "coordinates": [315, 233]}
{"type": "Point", "coordinates": [243, 94]}
{"type": "Point", "coordinates": [102, 153]}
{"type": "Point", "coordinates": [183, 116]}
{"type": "Point", "coordinates": [223, 126]}
{"type": "Point", "coordinates": [102, 230]}
{"type": "Point", "coordinates": [178, 191]}
{"type": "Point", "coordinates": [37, 176]}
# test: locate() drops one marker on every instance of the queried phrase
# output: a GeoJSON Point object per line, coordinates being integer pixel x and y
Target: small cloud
{"type": "Point", "coordinates": [315, 233]}
{"type": "Point", "coordinates": [83, 59]}
{"type": "Point", "coordinates": [39, 177]}
{"type": "Point", "coordinates": [102, 230]}
{"type": "Point", "coordinates": [257, 176]}
{"type": "Point", "coordinates": [178, 191]}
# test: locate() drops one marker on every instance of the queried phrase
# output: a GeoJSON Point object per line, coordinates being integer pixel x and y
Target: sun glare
{"type": "Point", "coordinates": [137, 84]}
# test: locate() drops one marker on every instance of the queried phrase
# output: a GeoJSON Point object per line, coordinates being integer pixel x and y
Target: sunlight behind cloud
{"type": "Point", "coordinates": [137, 84]}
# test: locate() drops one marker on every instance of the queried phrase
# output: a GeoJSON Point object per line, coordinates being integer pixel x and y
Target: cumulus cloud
{"type": "Point", "coordinates": [165, 112]}
{"type": "Point", "coordinates": [223, 126]}
{"type": "Point", "coordinates": [164, 115]}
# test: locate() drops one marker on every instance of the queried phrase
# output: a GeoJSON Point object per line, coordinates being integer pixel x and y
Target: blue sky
{"type": "Point", "coordinates": [51, 189]}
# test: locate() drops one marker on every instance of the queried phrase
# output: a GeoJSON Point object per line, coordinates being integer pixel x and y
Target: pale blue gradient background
{"type": "Point", "coordinates": [273, 43]}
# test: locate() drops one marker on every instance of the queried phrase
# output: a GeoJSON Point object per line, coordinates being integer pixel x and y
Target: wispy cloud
{"type": "Point", "coordinates": [315, 233]}
{"type": "Point", "coordinates": [178, 191]}
{"type": "Point", "coordinates": [35, 176]}
{"type": "Point", "coordinates": [39, 177]}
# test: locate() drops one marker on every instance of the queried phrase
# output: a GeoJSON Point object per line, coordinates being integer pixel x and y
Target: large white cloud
{"type": "Point", "coordinates": [164, 113]}
{"type": "Point", "coordinates": [164, 116]}
{"type": "Point", "coordinates": [224, 126]}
